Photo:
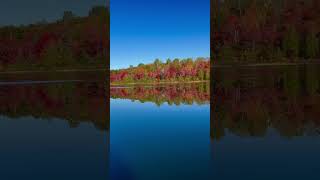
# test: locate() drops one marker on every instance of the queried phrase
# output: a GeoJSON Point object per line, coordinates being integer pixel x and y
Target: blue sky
{"type": "Point", "coordinates": [16, 12]}
{"type": "Point", "coordinates": [143, 30]}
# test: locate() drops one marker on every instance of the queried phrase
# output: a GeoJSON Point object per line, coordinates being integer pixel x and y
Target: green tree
{"type": "Point", "coordinates": [312, 45]}
{"type": "Point", "coordinates": [58, 55]}
{"type": "Point", "coordinates": [207, 75]}
{"type": "Point", "coordinates": [291, 42]}
{"type": "Point", "coordinates": [68, 15]}
{"type": "Point", "coordinates": [98, 11]}
{"type": "Point", "coordinates": [157, 62]}
{"type": "Point", "coordinates": [201, 75]}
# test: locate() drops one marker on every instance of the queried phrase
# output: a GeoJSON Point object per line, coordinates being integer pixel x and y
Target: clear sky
{"type": "Point", "coordinates": [143, 30]}
{"type": "Point", "coordinates": [16, 12]}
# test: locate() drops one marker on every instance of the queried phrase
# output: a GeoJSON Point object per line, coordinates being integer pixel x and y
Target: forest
{"type": "Point", "coordinates": [71, 42]}
{"type": "Point", "coordinates": [265, 31]}
{"type": "Point", "coordinates": [176, 70]}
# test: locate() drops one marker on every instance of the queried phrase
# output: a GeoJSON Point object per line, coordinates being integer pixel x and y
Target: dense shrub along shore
{"type": "Point", "coordinates": [177, 70]}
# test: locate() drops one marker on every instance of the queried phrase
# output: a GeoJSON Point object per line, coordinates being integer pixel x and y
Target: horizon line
{"type": "Point", "coordinates": [161, 60]}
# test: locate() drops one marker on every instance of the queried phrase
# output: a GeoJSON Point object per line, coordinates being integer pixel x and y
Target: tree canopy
{"type": "Point", "coordinates": [158, 71]}
{"type": "Point", "coordinates": [70, 42]}
{"type": "Point", "coordinates": [259, 31]}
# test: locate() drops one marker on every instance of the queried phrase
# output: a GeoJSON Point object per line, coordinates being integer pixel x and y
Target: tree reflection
{"type": "Point", "coordinates": [73, 102]}
{"type": "Point", "coordinates": [251, 101]}
{"type": "Point", "coordinates": [173, 94]}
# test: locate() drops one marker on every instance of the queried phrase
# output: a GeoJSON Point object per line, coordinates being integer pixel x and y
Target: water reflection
{"type": "Point", "coordinates": [173, 94]}
{"type": "Point", "coordinates": [73, 102]}
{"type": "Point", "coordinates": [249, 101]}
{"type": "Point", "coordinates": [153, 125]}
{"type": "Point", "coordinates": [54, 130]}
{"type": "Point", "coordinates": [265, 122]}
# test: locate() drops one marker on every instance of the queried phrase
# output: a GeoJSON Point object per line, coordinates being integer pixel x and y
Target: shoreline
{"type": "Point", "coordinates": [156, 83]}
{"type": "Point", "coordinates": [264, 64]}
{"type": "Point", "coordinates": [53, 76]}
{"type": "Point", "coordinates": [51, 71]}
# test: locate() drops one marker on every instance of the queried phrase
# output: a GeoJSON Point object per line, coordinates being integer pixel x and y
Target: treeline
{"type": "Point", "coordinates": [171, 70]}
{"type": "Point", "coordinates": [173, 94]}
{"type": "Point", "coordinates": [74, 103]}
{"type": "Point", "coordinates": [251, 31]}
{"type": "Point", "coordinates": [249, 103]}
{"type": "Point", "coordinates": [70, 42]}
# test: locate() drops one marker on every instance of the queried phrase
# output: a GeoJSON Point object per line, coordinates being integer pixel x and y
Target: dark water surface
{"type": "Point", "coordinates": [265, 122]}
{"type": "Point", "coordinates": [264, 125]}
{"type": "Point", "coordinates": [54, 130]}
{"type": "Point", "coordinates": [160, 132]}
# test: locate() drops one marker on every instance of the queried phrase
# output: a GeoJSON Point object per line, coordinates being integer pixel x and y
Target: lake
{"type": "Point", "coordinates": [262, 123]}
{"type": "Point", "coordinates": [54, 129]}
{"type": "Point", "coordinates": [265, 122]}
{"type": "Point", "coordinates": [160, 132]}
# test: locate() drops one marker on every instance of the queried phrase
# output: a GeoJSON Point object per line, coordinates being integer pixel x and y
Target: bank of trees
{"type": "Point", "coordinates": [247, 31]}
{"type": "Point", "coordinates": [70, 42]}
{"type": "Point", "coordinates": [168, 71]}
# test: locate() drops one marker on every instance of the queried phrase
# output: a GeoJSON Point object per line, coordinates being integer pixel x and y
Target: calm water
{"type": "Point", "coordinates": [265, 123]}
{"type": "Point", "coordinates": [160, 132]}
{"type": "Point", "coordinates": [54, 130]}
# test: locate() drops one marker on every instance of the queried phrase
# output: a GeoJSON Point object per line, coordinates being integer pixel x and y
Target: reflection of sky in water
{"type": "Point", "coordinates": [128, 103]}
{"type": "Point", "coordinates": [18, 12]}
{"type": "Point", "coordinates": [166, 142]}
{"type": "Point", "coordinates": [270, 120]}
{"type": "Point", "coordinates": [35, 148]}
{"type": "Point", "coordinates": [267, 157]}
